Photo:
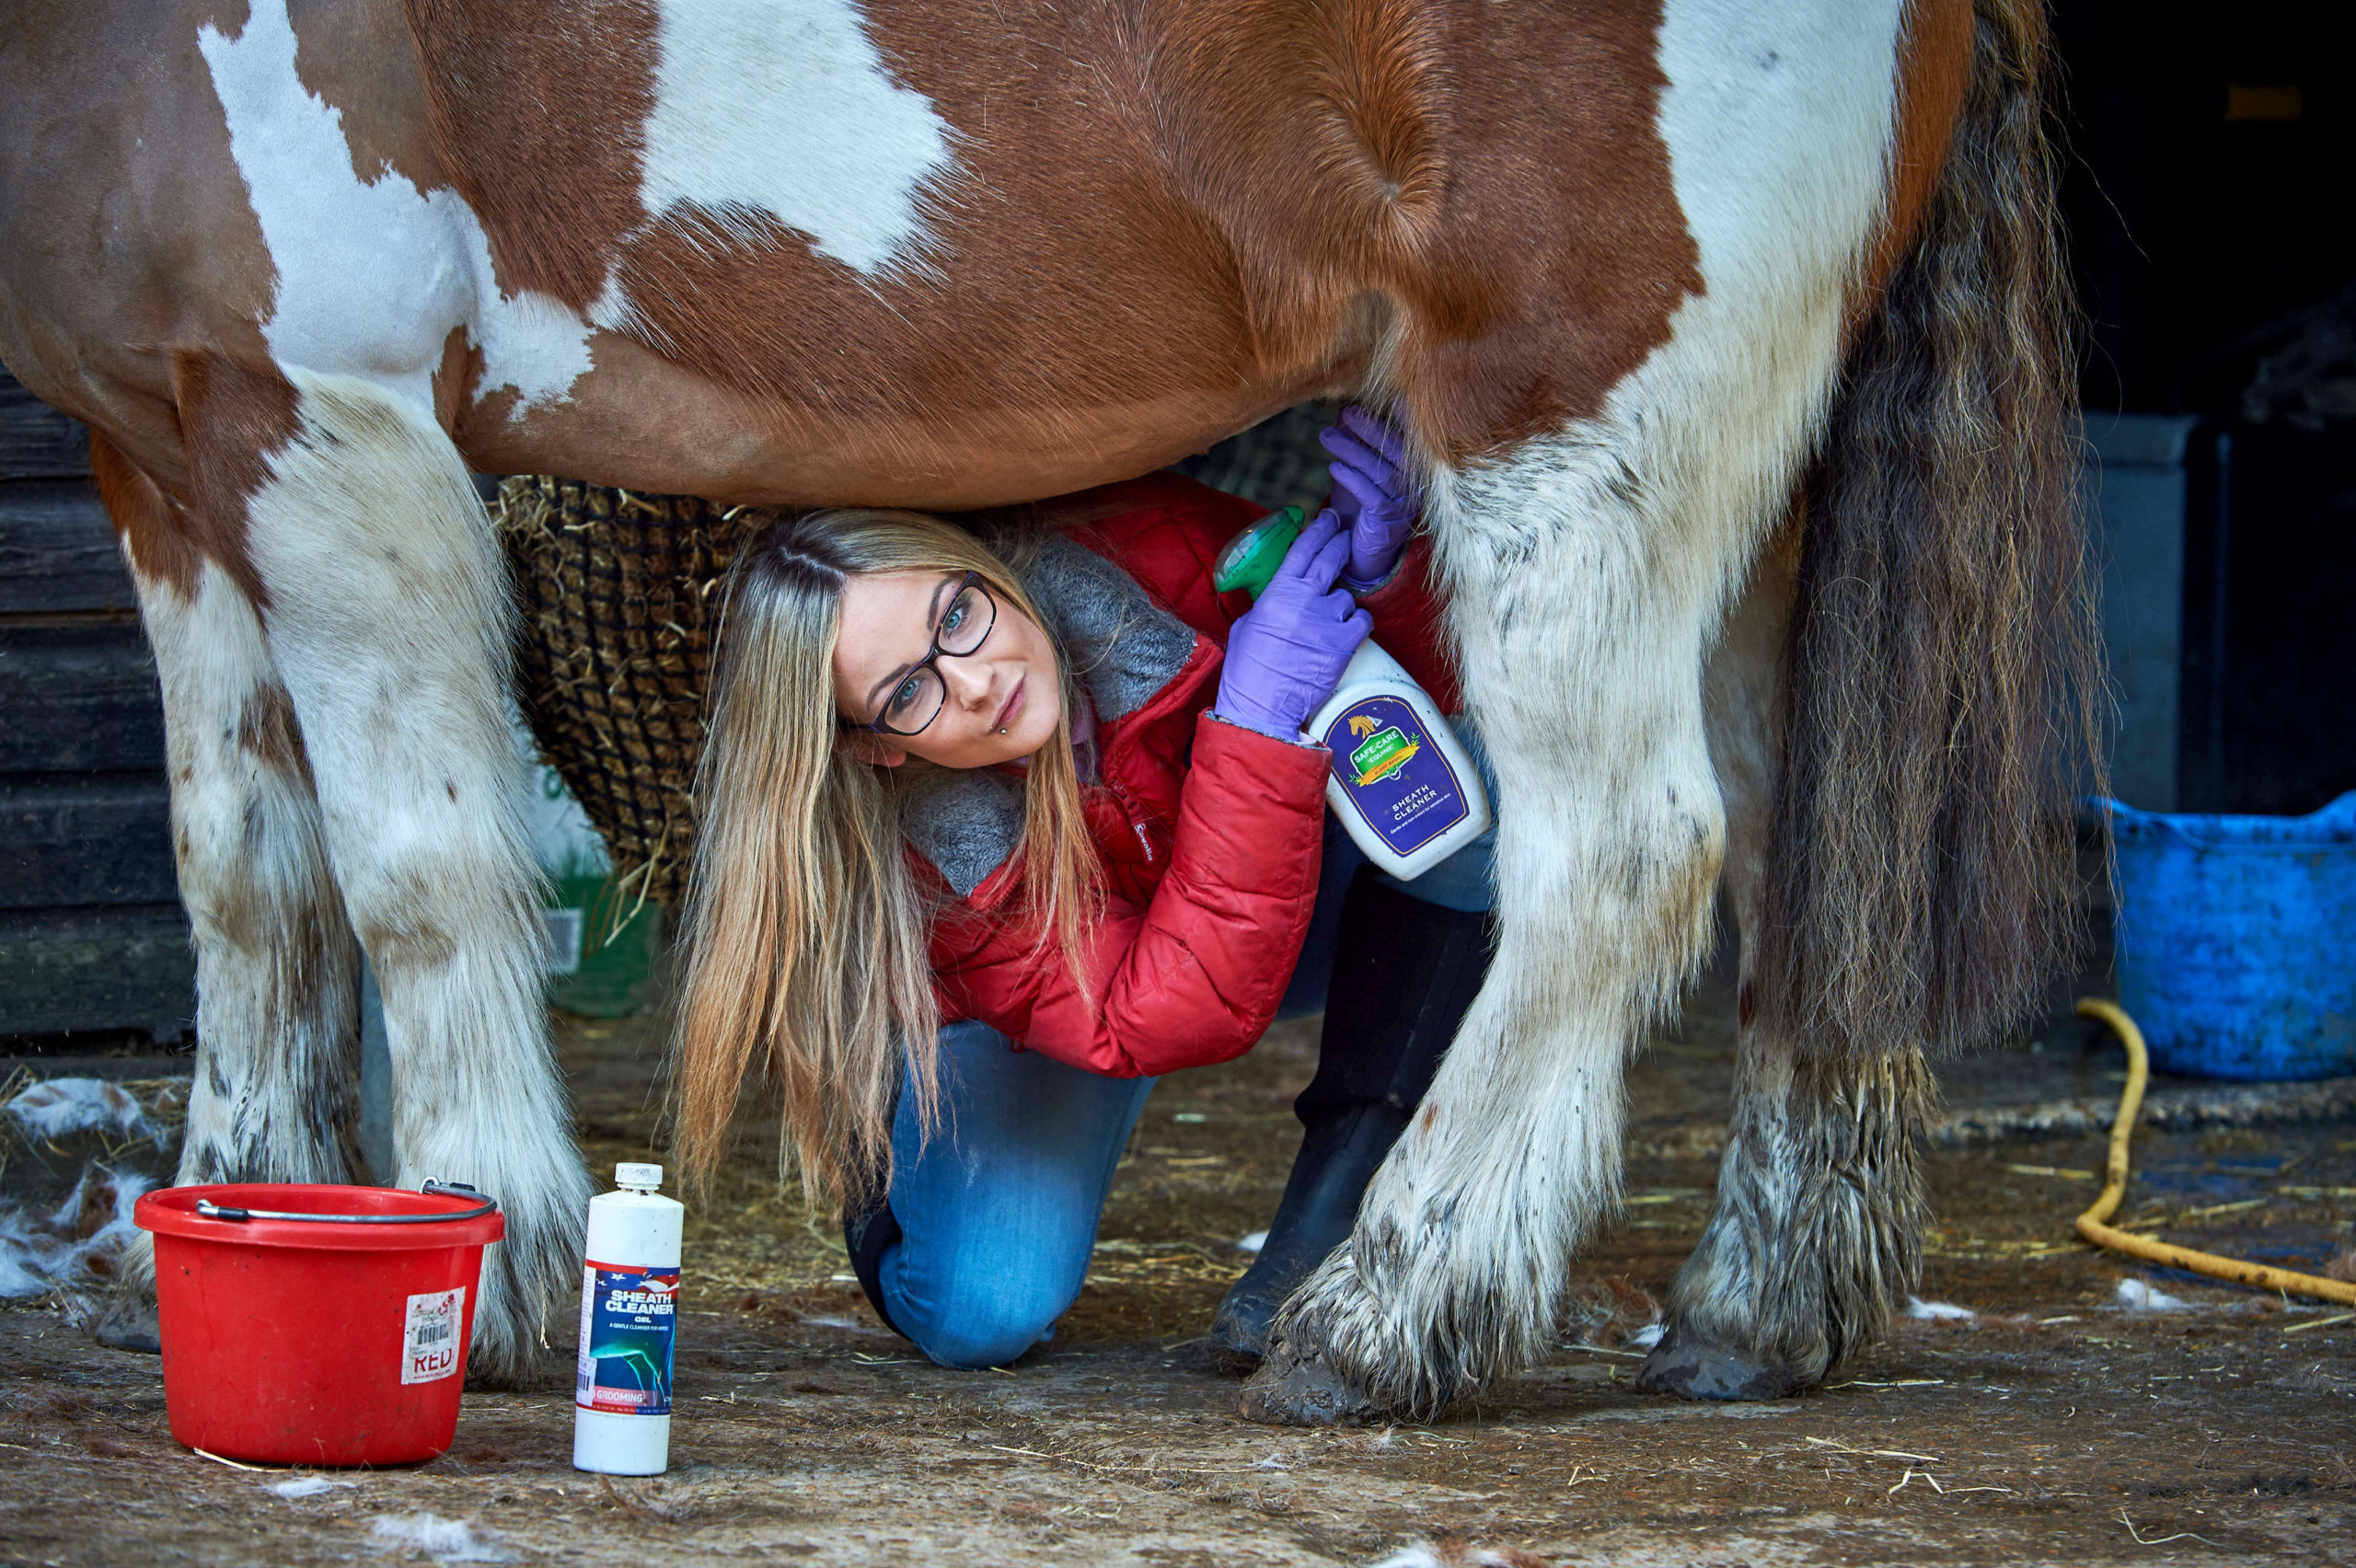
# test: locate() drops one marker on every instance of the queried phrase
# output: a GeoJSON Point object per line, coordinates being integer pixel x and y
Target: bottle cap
{"type": "Point", "coordinates": [1251, 558]}
{"type": "Point", "coordinates": [638, 1178]}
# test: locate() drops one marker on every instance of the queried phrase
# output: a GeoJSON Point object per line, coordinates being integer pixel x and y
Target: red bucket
{"type": "Point", "coordinates": [317, 1325]}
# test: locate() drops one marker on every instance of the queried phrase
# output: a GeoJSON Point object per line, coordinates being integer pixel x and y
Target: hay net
{"type": "Point", "coordinates": [619, 599]}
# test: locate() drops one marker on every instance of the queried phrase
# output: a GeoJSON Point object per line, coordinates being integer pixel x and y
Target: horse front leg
{"type": "Point", "coordinates": [1582, 614]}
{"type": "Point", "coordinates": [1818, 1225]}
{"type": "Point", "coordinates": [276, 1089]}
{"type": "Point", "coordinates": [388, 618]}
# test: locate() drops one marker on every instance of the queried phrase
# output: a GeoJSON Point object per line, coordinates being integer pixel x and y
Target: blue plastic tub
{"type": "Point", "coordinates": [2236, 940]}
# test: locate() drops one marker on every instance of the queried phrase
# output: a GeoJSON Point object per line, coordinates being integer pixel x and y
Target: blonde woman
{"type": "Point", "coordinates": [996, 831]}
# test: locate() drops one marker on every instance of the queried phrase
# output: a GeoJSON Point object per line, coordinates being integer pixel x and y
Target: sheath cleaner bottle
{"type": "Point", "coordinates": [1401, 781]}
{"type": "Point", "coordinates": [629, 1298]}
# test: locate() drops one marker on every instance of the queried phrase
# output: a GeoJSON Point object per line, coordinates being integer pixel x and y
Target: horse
{"type": "Point", "coordinates": [1729, 340]}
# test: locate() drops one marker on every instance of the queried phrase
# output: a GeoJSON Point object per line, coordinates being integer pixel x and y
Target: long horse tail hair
{"type": "Point", "coordinates": [1943, 679]}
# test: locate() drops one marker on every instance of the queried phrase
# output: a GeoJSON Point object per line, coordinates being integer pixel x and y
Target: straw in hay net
{"type": "Point", "coordinates": [619, 598]}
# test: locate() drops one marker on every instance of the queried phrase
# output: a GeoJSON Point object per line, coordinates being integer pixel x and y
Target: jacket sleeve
{"type": "Point", "coordinates": [1196, 976]}
{"type": "Point", "coordinates": [1411, 625]}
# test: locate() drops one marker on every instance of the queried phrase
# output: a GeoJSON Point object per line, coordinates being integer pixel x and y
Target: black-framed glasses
{"type": "Point", "coordinates": [916, 700]}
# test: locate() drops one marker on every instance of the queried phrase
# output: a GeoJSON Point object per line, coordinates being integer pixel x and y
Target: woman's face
{"type": "Point", "coordinates": [1002, 699]}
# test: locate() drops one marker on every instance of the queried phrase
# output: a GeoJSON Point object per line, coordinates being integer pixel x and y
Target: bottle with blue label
{"type": "Point", "coordinates": [629, 1301]}
{"type": "Point", "coordinates": [1401, 781]}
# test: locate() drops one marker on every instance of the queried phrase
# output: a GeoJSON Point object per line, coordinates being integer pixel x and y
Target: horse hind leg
{"type": "Point", "coordinates": [390, 622]}
{"type": "Point", "coordinates": [1817, 1230]}
{"type": "Point", "coordinates": [276, 1089]}
{"type": "Point", "coordinates": [1820, 1208]}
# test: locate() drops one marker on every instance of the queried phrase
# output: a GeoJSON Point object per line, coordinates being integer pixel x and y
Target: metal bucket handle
{"type": "Point", "coordinates": [212, 1210]}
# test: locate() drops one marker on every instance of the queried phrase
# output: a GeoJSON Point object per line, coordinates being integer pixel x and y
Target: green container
{"type": "Point", "coordinates": [603, 942]}
{"type": "Point", "coordinates": [602, 951]}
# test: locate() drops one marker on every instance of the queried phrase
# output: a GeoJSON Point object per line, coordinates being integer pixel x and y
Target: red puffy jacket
{"type": "Point", "coordinates": [1209, 833]}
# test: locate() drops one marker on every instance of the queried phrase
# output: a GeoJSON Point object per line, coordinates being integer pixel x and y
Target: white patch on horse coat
{"type": "Point", "coordinates": [372, 275]}
{"type": "Point", "coordinates": [1749, 83]}
{"type": "Point", "coordinates": [1590, 573]}
{"type": "Point", "coordinates": [785, 106]}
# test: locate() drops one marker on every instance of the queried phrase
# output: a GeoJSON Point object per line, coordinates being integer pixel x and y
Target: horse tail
{"type": "Point", "coordinates": [1942, 678]}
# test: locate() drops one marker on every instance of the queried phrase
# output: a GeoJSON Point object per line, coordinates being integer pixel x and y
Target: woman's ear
{"type": "Point", "coordinates": [868, 746]}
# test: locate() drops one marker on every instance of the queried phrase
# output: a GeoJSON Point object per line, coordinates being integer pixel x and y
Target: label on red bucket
{"type": "Point", "coordinates": [628, 1321]}
{"type": "Point", "coordinates": [430, 1346]}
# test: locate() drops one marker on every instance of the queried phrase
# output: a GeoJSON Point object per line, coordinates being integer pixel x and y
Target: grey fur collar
{"type": "Point", "coordinates": [1124, 648]}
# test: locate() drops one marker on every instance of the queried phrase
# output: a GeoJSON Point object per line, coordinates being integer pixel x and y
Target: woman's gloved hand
{"type": "Point", "coordinates": [1285, 655]}
{"type": "Point", "coordinates": [1374, 492]}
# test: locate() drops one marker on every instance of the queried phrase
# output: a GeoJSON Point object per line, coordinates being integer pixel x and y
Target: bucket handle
{"type": "Point", "coordinates": [212, 1210]}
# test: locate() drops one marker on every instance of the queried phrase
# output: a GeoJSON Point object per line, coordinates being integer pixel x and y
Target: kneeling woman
{"type": "Point", "coordinates": [995, 832]}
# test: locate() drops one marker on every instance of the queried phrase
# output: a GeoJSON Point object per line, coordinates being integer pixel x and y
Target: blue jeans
{"type": "Point", "coordinates": [998, 1211]}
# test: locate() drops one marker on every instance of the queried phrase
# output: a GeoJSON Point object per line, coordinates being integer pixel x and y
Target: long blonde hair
{"type": "Point", "coordinates": [805, 934]}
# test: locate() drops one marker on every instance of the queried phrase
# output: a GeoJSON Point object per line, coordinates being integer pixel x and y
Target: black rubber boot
{"type": "Point", "coordinates": [866, 1236]}
{"type": "Point", "coordinates": [1405, 974]}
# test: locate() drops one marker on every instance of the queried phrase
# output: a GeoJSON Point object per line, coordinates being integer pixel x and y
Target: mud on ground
{"type": "Point", "coordinates": [2053, 1426]}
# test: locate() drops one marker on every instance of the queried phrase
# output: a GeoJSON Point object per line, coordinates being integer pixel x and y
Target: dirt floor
{"type": "Point", "coordinates": [2055, 1426]}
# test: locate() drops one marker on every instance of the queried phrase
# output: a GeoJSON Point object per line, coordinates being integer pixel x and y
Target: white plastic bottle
{"type": "Point", "coordinates": [1401, 781]}
{"type": "Point", "coordinates": [629, 1298]}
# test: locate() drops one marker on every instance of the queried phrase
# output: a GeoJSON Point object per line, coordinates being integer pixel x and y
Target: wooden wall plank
{"type": "Point", "coordinates": [128, 967]}
{"type": "Point", "coordinates": [85, 839]}
{"type": "Point", "coordinates": [35, 440]}
{"type": "Point", "coordinates": [58, 552]}
{"type": "Point", "coordinates": [91, 935]}
{"type": "Point", "coordinates": [78, 696]}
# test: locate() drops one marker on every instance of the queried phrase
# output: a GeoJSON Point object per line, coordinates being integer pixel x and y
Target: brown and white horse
{"type": "Point", "coordinates": [1720, 326]}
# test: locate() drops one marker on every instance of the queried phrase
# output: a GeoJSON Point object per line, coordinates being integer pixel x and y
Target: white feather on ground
{"type": "Point", "coordinates": [1461, 1555]}
{"type": "Point", "coordinates": [2138, 1296]}
{"type": "Point", "coordinates": [76, 1244]}
{"type": "Point", "coordinates": [304, 1486]}
{"type": "Point", "coordinates": [445, 1540]}
{"type": "Point", "coordinates": [1937, 1311]}
{"type": "Point", "coordinates": [1253, 1242]}
{"type": "Point", "coordinates": [58, 1108]}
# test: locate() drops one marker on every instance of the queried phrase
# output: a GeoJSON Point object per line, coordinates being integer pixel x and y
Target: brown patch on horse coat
{"type": "Point", "coordinates": [234, 419]}
{"type": "Point", "coordinates": [129, 233]}
{"type": "Point", "coordinates": [1277, 200]}
{"type": "Point", "coordinates": [1933, 66]}
{"type": "Point", "coordinates": [154, 533]}
{"type": "Point", "coordinates": [538, 114]}
{"type": "Point", "coordinates": [269, 733]}
{"type": "Point", "coordinates": [456, 378]}
{"type": "Point", "coordinates": [359, 60]}
{"type": "Point", "coordinates": [1423, 136]}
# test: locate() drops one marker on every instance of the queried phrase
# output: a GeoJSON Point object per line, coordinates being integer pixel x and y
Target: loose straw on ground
{"type": "Point", "coordinates": [2090, 1223]}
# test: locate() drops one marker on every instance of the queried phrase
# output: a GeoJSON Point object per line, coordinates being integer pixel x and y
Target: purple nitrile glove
{"type": "Point", "coordinates": [1374, 492]}
{"type": "Point", "coordinates": [1286, 653]}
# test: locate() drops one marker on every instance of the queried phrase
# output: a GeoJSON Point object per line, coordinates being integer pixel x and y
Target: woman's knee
{"type": "Point", "coordinates": [987, 1328]}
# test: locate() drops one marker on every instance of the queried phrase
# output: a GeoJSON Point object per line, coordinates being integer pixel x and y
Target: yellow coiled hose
{"type": "Point", "coordinates": [2090, 1223]}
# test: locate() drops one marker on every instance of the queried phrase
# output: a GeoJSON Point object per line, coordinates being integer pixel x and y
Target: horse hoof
{"type": "Point", "coordinates": [128, 1323]}
{"type": "Point", "coordinates": [1301, 1388]}
{"type": "Point", "coordinates": [1695, 1369]}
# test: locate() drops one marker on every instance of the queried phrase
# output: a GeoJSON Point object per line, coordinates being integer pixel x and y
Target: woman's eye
{"type": "Point", "coordinates": [958, 611]}
{"type": "Point", "coordinates": [903, 697]}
